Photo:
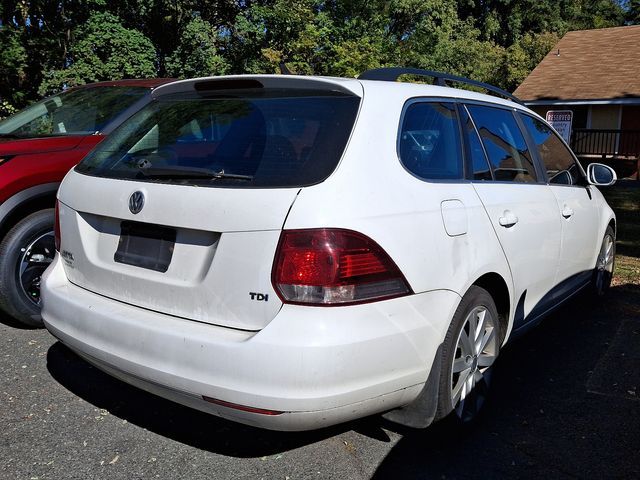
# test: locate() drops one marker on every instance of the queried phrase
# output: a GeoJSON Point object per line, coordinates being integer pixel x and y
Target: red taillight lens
{"type": "Point", "coordinates": [334, 267]}
{"type": "Point", "coordinates": [56, 227]}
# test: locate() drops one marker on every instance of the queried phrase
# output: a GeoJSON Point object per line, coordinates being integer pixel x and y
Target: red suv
{"type": "Point", "coordinates": [37, 147]}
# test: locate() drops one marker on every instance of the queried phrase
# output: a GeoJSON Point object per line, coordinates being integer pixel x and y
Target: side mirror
{"type": "Point", "coordinates": [600, 175]}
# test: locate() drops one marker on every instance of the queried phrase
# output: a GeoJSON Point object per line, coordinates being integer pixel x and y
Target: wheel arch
{"type": "Point", "coordinates": [497, 287]}
{"type": "Point", "coordinates": [25, 203]}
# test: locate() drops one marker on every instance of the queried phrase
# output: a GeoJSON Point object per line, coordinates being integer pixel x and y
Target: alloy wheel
{"type": "Point", "coordinates": [604, 266]}
{"type": "Point", "coordinates": [476, 350]}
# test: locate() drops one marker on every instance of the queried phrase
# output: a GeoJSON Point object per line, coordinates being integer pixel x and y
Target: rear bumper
{"type": "Point", "coordinates": [320, 366]}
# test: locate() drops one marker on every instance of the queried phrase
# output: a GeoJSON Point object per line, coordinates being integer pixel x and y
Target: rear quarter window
{"type": "Point", "coordinates": [429, 145]}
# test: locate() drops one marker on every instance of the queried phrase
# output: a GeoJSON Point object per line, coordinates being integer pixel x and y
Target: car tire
{"type": "Point", "coordinates": [469, 351]}
{"type": "Point", "coordinates": [603, 273]}
{"type": "Point", "coordinates": [25, 252]}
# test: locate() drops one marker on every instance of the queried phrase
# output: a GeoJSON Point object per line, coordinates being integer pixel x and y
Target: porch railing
{"type": "Point", "coordinates": [607, 143]}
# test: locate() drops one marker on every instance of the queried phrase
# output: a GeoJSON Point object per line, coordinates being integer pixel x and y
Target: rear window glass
{"type": "Point", "coordinates": [257, 138]}
{"type": "Point", "coordinates": [429, 144]}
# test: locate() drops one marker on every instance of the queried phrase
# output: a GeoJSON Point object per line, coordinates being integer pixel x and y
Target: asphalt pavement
{"type": "Point", "coordinates": [566, 404]}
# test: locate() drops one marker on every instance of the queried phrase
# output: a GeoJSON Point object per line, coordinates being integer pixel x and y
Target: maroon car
{"type": "Point", "coordinates": [38, 146]}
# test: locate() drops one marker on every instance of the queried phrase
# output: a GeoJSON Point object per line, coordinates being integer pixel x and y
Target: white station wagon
{"type": "Point", "coordinates": [293, 252]}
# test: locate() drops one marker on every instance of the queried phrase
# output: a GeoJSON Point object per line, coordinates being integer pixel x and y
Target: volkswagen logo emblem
{"type": "Point", "coordinates": [136, 202]}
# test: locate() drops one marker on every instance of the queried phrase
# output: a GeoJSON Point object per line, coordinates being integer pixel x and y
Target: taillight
{"type": "Point", "coordinates": [56, 228]}
{"type": "Point", "coordinates": [328, 266]}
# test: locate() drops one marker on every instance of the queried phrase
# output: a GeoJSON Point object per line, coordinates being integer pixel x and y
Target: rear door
{"type": "Point", "coordinates": [578, 213]}
{"type": "Point", "coordinates": [195, 253]}
{"type": "Point", "coordinates": [521, 208]}
{"type": "Point", "coordinates": [180, 209]}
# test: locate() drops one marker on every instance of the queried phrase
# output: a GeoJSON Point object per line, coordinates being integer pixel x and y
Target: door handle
{"type": "Point", "coordinates": [508, 219]}
{"type": "Point", "coordinates": [567, 212]}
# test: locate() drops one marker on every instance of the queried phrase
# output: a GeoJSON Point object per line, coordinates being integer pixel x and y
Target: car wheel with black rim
{"type": "Point", "coordinates": [25, 253]}
{"type": "Point", "coordinates": [470, 349]}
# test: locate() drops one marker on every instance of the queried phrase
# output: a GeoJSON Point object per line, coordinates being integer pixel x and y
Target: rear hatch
{"type": "Point", "coordinates": [180, 210]}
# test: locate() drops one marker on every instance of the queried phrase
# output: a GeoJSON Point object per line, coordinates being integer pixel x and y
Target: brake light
{"type": "Point", "coordinates": [56, 228]}
{"type": "Point", "coordinates": [329, 266]}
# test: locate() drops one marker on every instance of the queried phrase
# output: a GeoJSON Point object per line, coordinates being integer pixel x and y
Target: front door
{"type": "Point", "coordinates": [522, 209]}
{"type": "Point", "coordinates": [578, 212]}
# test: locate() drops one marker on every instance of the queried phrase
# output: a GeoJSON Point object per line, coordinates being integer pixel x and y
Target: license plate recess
{"type": "Point", "coordinates": [145, 245]}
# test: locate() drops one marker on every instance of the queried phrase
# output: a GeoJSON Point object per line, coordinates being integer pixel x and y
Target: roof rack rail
{"type": "Point", "coordinates": [391, 74]}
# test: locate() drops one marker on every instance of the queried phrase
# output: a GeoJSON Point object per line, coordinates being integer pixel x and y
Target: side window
{"type": "Point", "coordinates": [479, 164]}
{"type": "Point", "coordinates": [429, 144]}
{"type": "Point", "coordinates": [504, 143]}
{"type": "Point", "coordinates": [554, 155]}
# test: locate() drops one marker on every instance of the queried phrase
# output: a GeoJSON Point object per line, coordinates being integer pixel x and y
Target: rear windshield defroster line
{"type": "Point", "coordinates": [267, 137]}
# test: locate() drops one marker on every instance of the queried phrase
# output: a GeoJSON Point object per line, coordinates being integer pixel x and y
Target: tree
{"type": "Point", "coordinates": [632, 12]}
{"type": "Point", "coordinates": [524, 55]}
{"type": "Point", "coordinates": [103, 50]}
{"type": "Point", "coordinates": [165, 22]}
{"type": "Point", "coordinates": [196, 55]}
{"type": "Point", "coordinates": [13, 63]}
{"type": "Point", "coordinates": [506, 21]}
{"type": "Point", "coordinates": [51, 44]}
{"type": "Point", "coordinates": [597, 14]}
{"type": "Point", "coordinates": [268, 33]}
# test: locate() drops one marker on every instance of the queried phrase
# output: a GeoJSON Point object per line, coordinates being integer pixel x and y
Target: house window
{"type": "Point", "coordinates": [605, 117]}
{"type": "Point", "coordinates": [580, 114]}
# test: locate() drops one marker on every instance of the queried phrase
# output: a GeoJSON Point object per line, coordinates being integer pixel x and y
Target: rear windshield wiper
{"type": "Point", "coordinates": [189, 172]}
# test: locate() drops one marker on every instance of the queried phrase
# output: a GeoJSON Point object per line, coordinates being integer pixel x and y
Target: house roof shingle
{"type": "Point", "coordinates": [591, 65]}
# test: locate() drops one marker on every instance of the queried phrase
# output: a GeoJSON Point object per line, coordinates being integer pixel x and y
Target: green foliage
{"type": "Point", "coordinates": [463, 53]}
{"type": "Point", "coordinates": [523, 56]}
{"type": "Point", "coordinates": [13, 63]}
{"type": "Point", "coordinates": [104, 50]}
{"type": "Point", "coordinates": [265, 35]}
{"type": "Point", "coordinates": [599, 14]}
{"type": "Point", "coordinates": [49, 45]}
{"type": "Point", "coordinates": [6, 109]}
{"type": "Point", "coordinates": [632, 14]}
{"type": "Point", "coordinates": [196, 54]}
{"type": "Point", "coordinates": [506, 21]}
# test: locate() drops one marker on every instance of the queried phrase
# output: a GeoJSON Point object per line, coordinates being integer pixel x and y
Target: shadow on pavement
{"type": "Point", "coordinates": [547, 415]}
{"type": "Point", "coordinates": [175, 421]}
{"type": "Point", "coordinates": [11, 322]}
{"type": "Point", "coordinates": [565, 403]}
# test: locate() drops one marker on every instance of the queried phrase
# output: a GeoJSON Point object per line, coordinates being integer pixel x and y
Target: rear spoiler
{"type": "Point", "coordinates": [349, 86]}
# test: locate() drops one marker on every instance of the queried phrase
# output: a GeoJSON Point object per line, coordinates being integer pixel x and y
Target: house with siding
{"type": "Point", "coordinates": [596, 75]}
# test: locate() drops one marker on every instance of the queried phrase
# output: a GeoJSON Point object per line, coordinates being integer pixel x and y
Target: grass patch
{"type": "Point", "coordinates": [624, 198]}
{"type": "Point", "coordinates": [627, 271]}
